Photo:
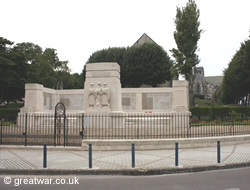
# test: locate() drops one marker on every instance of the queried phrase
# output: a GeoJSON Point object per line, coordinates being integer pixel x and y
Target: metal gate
{"type": "Point", "coordinates": [60, 125]}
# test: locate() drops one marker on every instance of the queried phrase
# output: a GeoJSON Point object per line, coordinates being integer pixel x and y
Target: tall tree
{"type": "Point", "coordinates": [145, 64]}
{"type": "Point", "coordinates": [31, 53]}
{"type": "Point", "coordinates": [112, 54]}
{"type": "Point", "coordinates": [236, 79]}
{"type": "Point", "coordinates": [187, 35]}
{"type": "Point", "coordinates": [12, 72]}
{"type": "Point", "coordinates": [50, 70]}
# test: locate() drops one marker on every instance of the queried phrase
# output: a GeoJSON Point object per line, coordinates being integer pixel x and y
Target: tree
{"type": "Point", "coordinates": [31, 53]}
{"type": "Point", "coordinates": [76, 82]}
{"type": "Point", "coordinates": [28, 63]}
{"type": "Point", "coordinates": [236, 79]}
{"type": "Point", "coordinates": [114, 54]}
{"type": "Point", "coordinates": [45, 67]}
{"type": "Point", "coordinates": [187, 35]}
{"type": "Point", "coordinates": [12, 72]}
{"type": "Point", "coordinates": [145, 64]}
{"type": "Point", "coordinates": [6, 65]}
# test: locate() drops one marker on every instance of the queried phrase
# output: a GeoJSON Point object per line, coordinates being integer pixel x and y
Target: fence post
{"type": "Point", "coordinates": [218, 152]}
{"type": "Point", "coordinates": [176, 154]}
{"type": "Point", "coordinates": [25, 133]}
{"type": "Point", "coordinates": [82, 124]}
{"type": "Point", "coordinates": [1, 131]}
{"type": "Point", "coordinates": [55, 130]}
{"type": "Point", "coordinates": [44, 156]}
{"type": "Point", "coordinates": [64, 131]}
{"type": "Point", "coordinates": [133, 155]}
{"type": "Point", "coordinates": [90, 155]}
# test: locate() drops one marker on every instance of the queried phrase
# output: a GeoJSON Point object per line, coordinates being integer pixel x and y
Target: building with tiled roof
{"type": "Point", "coordinates": [144, 39]}
{"type": "Point", "coordinates": [206, 85]}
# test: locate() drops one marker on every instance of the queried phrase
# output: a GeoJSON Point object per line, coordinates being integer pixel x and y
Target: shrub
{"type": "Point", "coordinates": [8, 114]}
{"type": "Point", "coordinates": [215, 112]}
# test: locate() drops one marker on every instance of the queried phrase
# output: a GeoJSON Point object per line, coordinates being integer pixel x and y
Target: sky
{"type": "Point", "coordinates": [78, 28]}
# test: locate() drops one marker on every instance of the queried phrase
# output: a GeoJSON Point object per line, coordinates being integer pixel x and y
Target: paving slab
{"type": "Point", "coordinates": [16, 160]}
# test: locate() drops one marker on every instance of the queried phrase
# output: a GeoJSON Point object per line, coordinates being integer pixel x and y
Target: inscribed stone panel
{"type": "Point", "coordinates": [47, 101]}
{"type": "Point", "coordinates": [126, 101]}
{"type": "Point", "coordinates": [129, 101]}
{"type": "Point", "coordinates": [147, 101]}
{"type": "Point", "coordinates": [157, 101]}
{"type": "Point", "coordinates": [72, 101]}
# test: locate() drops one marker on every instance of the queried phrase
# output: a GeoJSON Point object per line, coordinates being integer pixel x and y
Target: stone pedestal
{"type": "Point", "coordinates": [102, 88]}
{"type": "Point", "coordinates": [180, 95]}
{"type": "Point", "coordinates": [33, 98]}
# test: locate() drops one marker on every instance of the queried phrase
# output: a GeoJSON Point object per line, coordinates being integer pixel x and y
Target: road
{"type": "Point", "coordinates": [232, 179]}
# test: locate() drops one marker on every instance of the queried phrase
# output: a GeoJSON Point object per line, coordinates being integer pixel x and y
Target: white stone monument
{"type": "Point", "coordinates": [103, 94]}
{"type": "Point", "coordinates": [102, 88]}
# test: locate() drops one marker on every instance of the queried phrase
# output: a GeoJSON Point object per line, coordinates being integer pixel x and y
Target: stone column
{"type": "Point", "coordinates": [102, 78]}
{"type": "Point", "coordinates": [33, 98]}
{"type": "Point", "coordinates": [180, 95]}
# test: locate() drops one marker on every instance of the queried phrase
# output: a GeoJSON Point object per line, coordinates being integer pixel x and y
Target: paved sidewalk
{"type": "Point", "coordinates": [29, 160]}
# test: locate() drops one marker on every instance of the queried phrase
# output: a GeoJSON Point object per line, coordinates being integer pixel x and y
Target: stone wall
{"type": "Point", "coordinates": [156, 99]}
{"type": "Point", "coordinates": [103, 93]}
{"type": "Point", "coordinates": [41, 99]}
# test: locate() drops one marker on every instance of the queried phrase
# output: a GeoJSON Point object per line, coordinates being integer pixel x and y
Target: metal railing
{"type": "Point", "coordinates": [37, 129]}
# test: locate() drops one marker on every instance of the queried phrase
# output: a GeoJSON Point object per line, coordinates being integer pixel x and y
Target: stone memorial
{"type": "Point", "coordinates": [102, 88]}
{"type": "Point", "coordinates": [103, 94]}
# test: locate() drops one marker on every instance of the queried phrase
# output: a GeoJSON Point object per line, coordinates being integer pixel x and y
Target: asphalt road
{"type": "Point", "coordinates": [232, 179]}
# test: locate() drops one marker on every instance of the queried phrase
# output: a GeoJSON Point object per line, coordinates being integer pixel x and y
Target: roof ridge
{"type": "Point", "coordinates": [142, 36]}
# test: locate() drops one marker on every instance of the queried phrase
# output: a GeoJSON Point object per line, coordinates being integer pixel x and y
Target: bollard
{"type": "Point", "coordinates": [90, 155]}
{"type": "Point", "coordinates": [44, 156]}
{"type": "Point", "coordinates": [218, 152]}
{"type": "Point", "coordinates": [176, 154]}
{"type": "Point", "coordinates": [133, 155]}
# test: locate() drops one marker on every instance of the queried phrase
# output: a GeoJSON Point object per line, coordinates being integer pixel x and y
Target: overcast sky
{"type": "Point", "coordinates": [77, 28]}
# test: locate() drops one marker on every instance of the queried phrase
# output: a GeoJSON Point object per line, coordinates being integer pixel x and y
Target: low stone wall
{"type": "Point", "coordinates": [159, 144]}
{"type": "Point", "coordinates": [156, 99]}
{"type": "Point", "coordinates": [39, 99]}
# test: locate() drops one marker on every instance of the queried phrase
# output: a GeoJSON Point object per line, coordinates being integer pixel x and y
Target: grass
{"type": "Point", "coordinates": [218, 122]}
{"type": "Point", "coordinates": [12, 106]}
{"type": "Point", "coordinates": [6, 123]}
{"type": "Point", "coordinates": [203, 102]}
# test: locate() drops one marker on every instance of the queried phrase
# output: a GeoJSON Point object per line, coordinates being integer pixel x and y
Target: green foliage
{"type": "Point", "coordinates": [114, 54]}
{"type": "Point", "coordinates": [12, 72]}
{"type": "Point", "coordinates": [237, 76]}
{"type": "Point", "coordinates": [217, 96]}
{"type": "Point", "coordinates": [9, 111]}
{"type": "Point", "coordinates": [187, 35]}
{"type": "Point", "coordinates": [12, 106]}
{"type": "Point", "coordinates": [28, 63]}
{"type": "Point", "coordinates": [145, 64]}
{"type": "Point", "coordinates": [203, 102]}
{"type": "Point", "coordinates": [72, 81]}
{"type": "Point", "coordinates": [199, 96]}
{"type": "Point", "coordinates": [216, 112]}
{"type": "Point", "coordinates": [9, 114]}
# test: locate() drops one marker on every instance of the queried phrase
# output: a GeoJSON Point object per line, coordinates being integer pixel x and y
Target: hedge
{"type": "Point", "coordinates": [214, 111]}
{"type": "Point", "coordinates": [9, 114]}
